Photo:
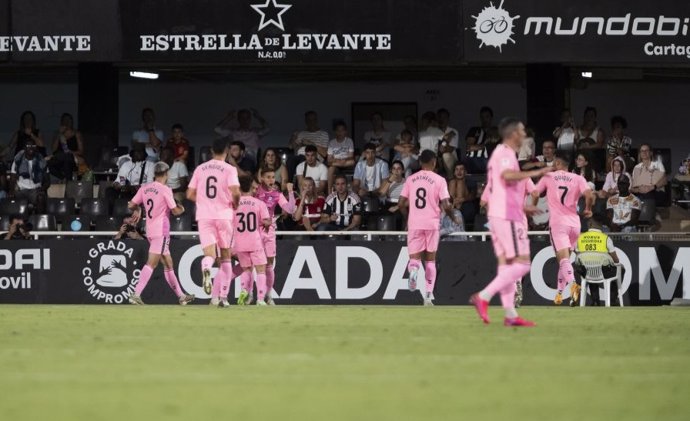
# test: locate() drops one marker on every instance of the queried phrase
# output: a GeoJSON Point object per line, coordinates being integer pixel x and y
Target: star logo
{"type": "Point", "coordinates": [274, 11]}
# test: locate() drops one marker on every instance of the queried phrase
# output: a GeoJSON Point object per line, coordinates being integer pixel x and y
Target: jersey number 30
{"type": "Point", "coordinates": [246, 222]}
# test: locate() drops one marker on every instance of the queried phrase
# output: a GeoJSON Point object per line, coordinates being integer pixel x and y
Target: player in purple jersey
{"type": "Point", "coordinates": [158, 202]}
{"type": "Point", "coordinates": [268, 193]}
{"type": "Point", "coordinates": [508, 222]}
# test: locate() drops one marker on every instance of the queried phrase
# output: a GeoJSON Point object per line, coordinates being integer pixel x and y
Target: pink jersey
{"type": "Point", "coordinates": [249, 224]}
{"type": "Point", "coordinates": [425, 190]}
{"type": "Point", "coordinates": [563, 190]}
{"type": "Point", "coordinates": [212, 181]}
{"type": "Point", "coordinates": [506, 199]}
{"type": "Point", "coordinates": [273, 198]}
{"type": "Point", "coordinates": [157, 200]}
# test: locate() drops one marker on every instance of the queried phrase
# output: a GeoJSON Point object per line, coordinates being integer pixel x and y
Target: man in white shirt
{"type": "Point", "coordinates": [178, 175]}
{"type": "Point", "coordinates": [312, 168]}
{"type": "Point", "coordinates": [369, 172]}
{"type": "Point", "coordinates": [341, 153]}
{"type": "Point", "coordinates": [450, 143]}
{"type": "Point", "coordinates": [379, 136]}
{"type": "Point", "coordinates": [430, 136]}
{"type": "Point", "coordinates": [238, 126]}
{"type": "Point", "coordinates": [546, 159]}
{"type": "Point", "coordinates": [149, 135]}
{"type": "Point", "coordinates": [131, 175]}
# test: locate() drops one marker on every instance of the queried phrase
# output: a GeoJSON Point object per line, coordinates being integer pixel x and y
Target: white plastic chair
{"type": "Point", "coordinates": [594, 262]}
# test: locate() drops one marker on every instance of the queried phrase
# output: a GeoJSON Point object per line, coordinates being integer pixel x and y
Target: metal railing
{"type": "Point", "coordinates": [370, 235]}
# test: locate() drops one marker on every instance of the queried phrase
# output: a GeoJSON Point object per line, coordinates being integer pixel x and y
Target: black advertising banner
{"type": "Point", "coordinates": [585, 31]}
{"type": "Point", "coordinates": [285, 31]}
{"type": "Point", "coordinates": [315, 272]}
{"type": "Point", "coordinates": [63, 30]}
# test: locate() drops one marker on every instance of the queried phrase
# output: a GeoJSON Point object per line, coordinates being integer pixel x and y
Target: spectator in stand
{"type": "Point", "coordinates": [3, 180]}
{"type": "Point", "coordinates": [392, 187]}
{"type": "Point", "coordinates": [463, 192]}
{"type": "Point", "coordinates": [149, 135]}
{"type": "Point", "coordinates": [179, 144]}
{"type": "Point", "coordinates": [27, 131]}
{"type": "Point", "coordinates": [450, 144]}
{"type": "Point", "coordinates": [341, 153]}
{"type": "Point", "coordinates": [618, 168]}
{"type": "Point", "coordinates": [272, 160]}
{"type": "Point", "coordinates": [565, 133]}
{"type": "Point", "coordinates": [343, 211]}
{"type": "Point", "coordinates": [68, 151]}
{"type": "Point", "coordinates": [30, 176]}
{"type": "Point", "coordinates": [623, 209]}
{"type": "Point", "coordinates": [583, 168]}
{"type": "Point", "coordinates": [430, 136]}
{"type": "Point", "coordinates": [312, 135]}
{"type": "Point", "coordinates": [390, 190]}
{"type": "Point", "coordinates": [589, 135]}
{"type": "Point", "coordinates": [528, 149]}
{"type": "Point", "coordinates": [132, 173]}
{"type": "Point", "coordinates": [310, 204]}
{"type": "Point", "coordinates": [178, 175]}
{"type": "Point", "coordinates": [548, 154]}
{"type": "Point", "coordinates": [238, 126]}
{"type": "Point", "coordinates": [18, 229]}
{"type": "Point", "coordinates": [128, 231]}
{"type": "Point", "coordinates": [481, 141]}
{"type": "Point", "coordinates": [649, 176]}
{"type": "Point", "coordinates": [312, 168]}
{"type": "Point", "coordinates": [410, 123]}
{"type": "Point", "coordinates": [369, 172]}
{"type": "Point", "coordinates": [618, 144]}
{"type": "Point", "coordinates": [246, 166]}
{"type": "Point", "coordinates": [406, 152]}
{"type": "Point", "coordinates": [379, 137]}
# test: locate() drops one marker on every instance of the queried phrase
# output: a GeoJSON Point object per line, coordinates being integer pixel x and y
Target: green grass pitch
{"type": "Point", "coordinates": [341, 363]}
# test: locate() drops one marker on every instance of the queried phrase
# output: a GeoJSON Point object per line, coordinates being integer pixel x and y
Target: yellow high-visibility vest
{"type": "Point", "coordinates": [593, 241]}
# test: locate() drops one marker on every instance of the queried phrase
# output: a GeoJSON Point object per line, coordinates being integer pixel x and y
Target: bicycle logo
{"type": "Point", "coordinates": [494, 26]}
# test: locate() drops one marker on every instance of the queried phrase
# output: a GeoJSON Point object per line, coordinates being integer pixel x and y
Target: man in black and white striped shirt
{"type": "Point", "coordinates": [343, 209]}
{"type": "Point", "coordinates": [481, 140]}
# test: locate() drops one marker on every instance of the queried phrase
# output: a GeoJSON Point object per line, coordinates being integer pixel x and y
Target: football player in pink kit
{"type": "Point", "coordinates": [563, 191]}
{"type": "Point", "coordinates": [252, 220]}
{"type": "Point", "coordinates": [216, 190]}
{"type": "Point", "coordinates": [157, 199]}
{"type": "Point", "coordinates": [422, 197]}
{"type": "Point", "coordinates": [507, 222]}
{"type": "Point", "coordinates": [268, 193]}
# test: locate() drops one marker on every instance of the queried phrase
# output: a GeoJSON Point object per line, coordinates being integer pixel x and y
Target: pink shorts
{"type": "Point", "coordinates": [422, 240]}
{"type": "Point", "coordinates": [159, 245]}
{"type": "Point", "coordinates": [564, 237]}
{"type": "Point", "coordinates": [270, 243]}
{"type": "Point", "coordinates": [215, 231]}
{"type": "Point", "coordinates": [509, 238]}
{"type": "Point", "coordinates": [251, 258]}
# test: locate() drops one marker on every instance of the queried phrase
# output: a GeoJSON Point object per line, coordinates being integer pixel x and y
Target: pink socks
{"type": "Point", "coordinates": [144, 278]}
{"type": "Point", "coordinates": [261, 287]}
{"type": "Point", "coordinates": [207, 263]}
{"type": "Point", "coordinates": [226, 271]}
{"type": "Point", "coordinates": [413, 265]}
{"type": "Point", "coordinates": [505, 282]}
{"type": "Point", "coordinates": [173, 282]}
{"type": "Point", "coordinates": [565, 274]}
{"type": "Point", "coordinates": [270, 278]}
{"type": "Point", "coordinates": [430, 274]}
{"type": "Point", "coordinates": [246, 280]}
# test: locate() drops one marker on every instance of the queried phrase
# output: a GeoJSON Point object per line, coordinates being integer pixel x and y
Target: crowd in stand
{"type": "Point", "coordinates": [339, 186]}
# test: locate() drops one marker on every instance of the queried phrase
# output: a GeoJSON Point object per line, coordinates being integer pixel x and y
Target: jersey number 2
{"type": "Point", "coordinates": [149, 211]}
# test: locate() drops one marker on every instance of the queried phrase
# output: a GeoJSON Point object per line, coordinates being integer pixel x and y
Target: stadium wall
{"type": "Point", "coordinates": [315, 272]}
